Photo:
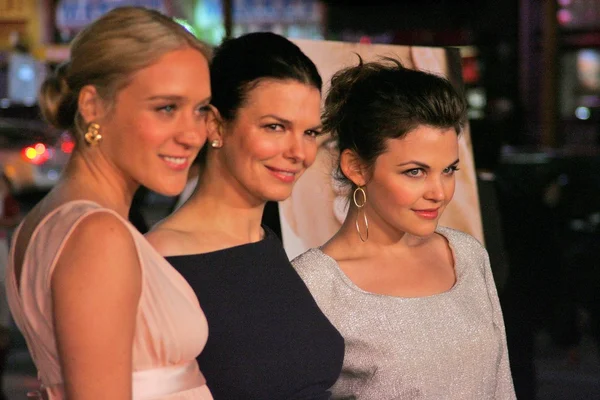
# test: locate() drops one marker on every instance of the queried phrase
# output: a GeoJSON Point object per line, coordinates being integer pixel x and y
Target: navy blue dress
{"type": "Point", "coordinates": [267, 340]}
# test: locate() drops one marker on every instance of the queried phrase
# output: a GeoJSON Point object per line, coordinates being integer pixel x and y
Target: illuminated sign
{"type": "Point", "coordinates": [75, 14]}
{"type": "Point", "coordinates": [14, 10]}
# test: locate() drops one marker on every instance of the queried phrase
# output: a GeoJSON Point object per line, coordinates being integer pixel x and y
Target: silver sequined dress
{"type": "Point", "coordinates": [446, 346]}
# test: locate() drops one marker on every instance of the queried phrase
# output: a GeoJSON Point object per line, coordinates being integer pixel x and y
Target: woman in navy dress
{"type": "Point", "coordinates": [267, 337]}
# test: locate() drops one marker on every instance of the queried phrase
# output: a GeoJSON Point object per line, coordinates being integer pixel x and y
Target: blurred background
{"type": "Point", "coordinates": [531, 70]}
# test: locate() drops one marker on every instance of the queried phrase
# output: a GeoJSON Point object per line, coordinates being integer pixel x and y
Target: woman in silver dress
{"type": "Point", "coordinates": [415, 302]}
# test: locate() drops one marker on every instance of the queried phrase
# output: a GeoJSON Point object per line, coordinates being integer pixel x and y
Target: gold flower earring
{"type": "Point", "coordinates": [360, 207]}
{"type": "Point", "coordinates": [216, 144]}
{"type": "Point", "coordinates": [93, 136]}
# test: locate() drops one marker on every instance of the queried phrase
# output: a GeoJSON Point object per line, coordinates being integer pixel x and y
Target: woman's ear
{"type": "Point", "coordinates": [90, 105]}
{"type": "Point", "coordinates": [353, 167]}
{"type": "Point", "coordinates": [214, 125]}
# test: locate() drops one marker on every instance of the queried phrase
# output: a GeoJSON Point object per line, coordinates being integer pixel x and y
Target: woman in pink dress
{"type": "Point", "coordinates": [104, 315]}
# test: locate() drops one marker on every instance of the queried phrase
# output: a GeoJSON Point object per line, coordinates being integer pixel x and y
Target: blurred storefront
{"type": "Point", "coordinates": [34, 34]}
{"type": "Point", "coordinates": [22, 30]}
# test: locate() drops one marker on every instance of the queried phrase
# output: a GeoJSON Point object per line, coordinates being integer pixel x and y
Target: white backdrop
{"type": "Point", "coordinates": [316, 209]}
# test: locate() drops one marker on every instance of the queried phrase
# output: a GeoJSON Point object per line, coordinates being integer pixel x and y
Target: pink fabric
{"type": "Point", "coordinates": [171, 329]}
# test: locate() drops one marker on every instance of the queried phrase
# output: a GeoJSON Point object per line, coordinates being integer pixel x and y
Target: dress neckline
{"type": "Point", "coordinates": [446, 233]}
{"type": "Point", "coordinates": [269, 234]}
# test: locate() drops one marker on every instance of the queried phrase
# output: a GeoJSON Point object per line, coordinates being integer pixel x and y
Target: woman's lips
{"type": "Point", "coordinates": [176, 163]}
{"type": "Point", "coordinates": [284, 175]}
{"type": "Point", "coordinates": [431, 213]}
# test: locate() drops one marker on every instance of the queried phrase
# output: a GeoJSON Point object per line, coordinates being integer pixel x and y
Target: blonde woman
{"type": "Point", "coordinates": [104, 315]}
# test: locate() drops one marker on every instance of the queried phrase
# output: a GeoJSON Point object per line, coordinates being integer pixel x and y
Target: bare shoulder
{"type": "Point", "coordinates": [105, 225]}
{"type": "Point", "coordinates": [173, 241]}
{"type": "Point", "coordinates": [100, 236]}
{"type": "Point", "coordinates": [99, 256]}
{"type": "Point", "coordinates": [339, 249]}
{"type": "Point", "coordinates": [168, 241]}
{"type": "Point", "coordinates": [96, 290]}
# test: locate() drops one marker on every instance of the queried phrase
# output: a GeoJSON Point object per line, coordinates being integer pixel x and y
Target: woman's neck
{"type": "Point", "coordinates": [382, 238]}
{"type": "Point", "coordinates": [223, 207]}
{"type": "Point", "coordinates": [95, 179]}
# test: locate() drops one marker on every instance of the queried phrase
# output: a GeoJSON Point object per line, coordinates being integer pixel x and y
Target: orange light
{"type": "Point", "coordinates": [10, 171]}
{"type": "Point", "coordinates": [40, 148]}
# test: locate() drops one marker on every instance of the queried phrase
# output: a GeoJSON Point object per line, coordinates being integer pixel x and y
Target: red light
{"type": "Point", "coordinates": [67, 146]}
{"type": "Point", "coordinates": [365, 40]}
{"type": "Point", "coordinates": [470, 70]}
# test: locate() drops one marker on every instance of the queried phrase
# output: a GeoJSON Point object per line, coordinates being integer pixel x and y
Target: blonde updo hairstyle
{"type": "Point", "coordinates": [106, 54]}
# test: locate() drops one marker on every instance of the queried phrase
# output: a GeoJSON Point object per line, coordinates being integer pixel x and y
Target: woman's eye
{"type": "Point", "coordinates": [416, 172]}
{"type": "Point", "coordinates": [201, 111]}
{"type": "Point", "coordinates": [451, 170]}
{"type": "Point", "coordinates": [275, 127]}
{"type": "Point", "coordinates": [169, 108]}
{"type": "Point", "coordinates": [313, 133]}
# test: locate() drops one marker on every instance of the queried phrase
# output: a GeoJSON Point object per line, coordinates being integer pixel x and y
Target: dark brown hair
{"type": "Point", "coordinates": [240, 64]}
{"type": "Point", "coordinates": [375, 101]}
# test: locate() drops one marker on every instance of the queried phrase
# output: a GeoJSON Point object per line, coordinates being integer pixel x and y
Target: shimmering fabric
{"type": "Point", "coordinates": [170, 331]}
{"type": "Point", "coordinates": [450, 345]}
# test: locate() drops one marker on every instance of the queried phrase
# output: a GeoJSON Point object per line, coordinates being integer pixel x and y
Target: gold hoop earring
{"type": "Point", "coordinates": [216, 144]}
{"type": "Point", "coordinates": [93, 136]}
{"type": "Point", "coordinates": [360, 209]}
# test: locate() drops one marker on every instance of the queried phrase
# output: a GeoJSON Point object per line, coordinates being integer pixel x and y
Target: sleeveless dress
{"type": "Point", "coordinates": [171, 329]}
{"type": "Point", "coordinates": [268, 339]}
